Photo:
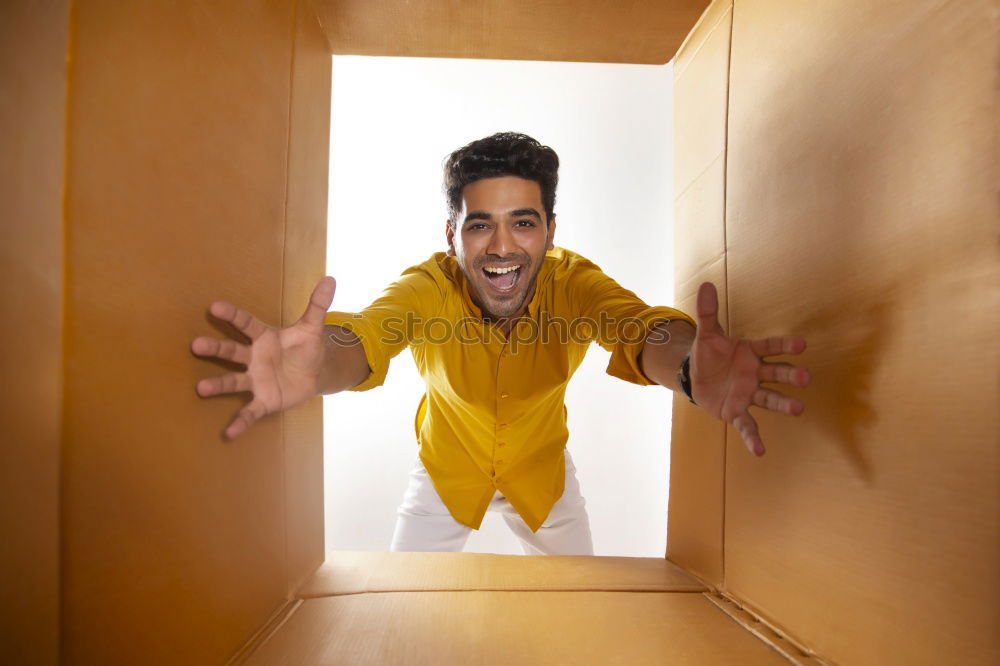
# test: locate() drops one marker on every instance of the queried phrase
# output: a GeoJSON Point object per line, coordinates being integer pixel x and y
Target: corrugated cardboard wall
{"type": "Point", "coordinates": [697, 455]}
{"type": "Point", "coordinates": [32, 120]}
{"type": "Point", "coordinates": [861, 212]}
{"type": "Point", "coordinates": [304, 259]}
{"type": "Point", "coordinates": [183, 127]}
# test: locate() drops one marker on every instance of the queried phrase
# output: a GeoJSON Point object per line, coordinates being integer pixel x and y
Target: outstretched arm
{"type": "Point", "coordinates": [726, 372]}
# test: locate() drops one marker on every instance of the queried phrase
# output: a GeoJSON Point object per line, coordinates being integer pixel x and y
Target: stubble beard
{"type": "Point", "coordinates": [507, 308]}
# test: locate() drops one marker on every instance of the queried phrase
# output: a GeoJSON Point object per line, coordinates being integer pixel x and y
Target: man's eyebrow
{"type": "Point", "coordinates": [519, 212]}
{"type": "Point", "coordinates": [477, 215]}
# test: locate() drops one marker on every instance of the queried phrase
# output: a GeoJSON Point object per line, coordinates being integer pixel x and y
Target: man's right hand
{"type": "Point", "coordinates": [282, 365]}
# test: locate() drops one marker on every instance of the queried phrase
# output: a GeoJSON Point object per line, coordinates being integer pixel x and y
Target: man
{"type": "Point", "coordinates": [497, 326]}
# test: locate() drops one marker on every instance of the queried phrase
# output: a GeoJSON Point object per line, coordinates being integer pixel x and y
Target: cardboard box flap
{"type": "Point", "coordinates": [348, 572]}
{"type": "Point", "coordinates": [524, 628]}
{"type": "Point", "coordinates": [697, 454]}
{"type": "Point", "coordinates": [583, 30]}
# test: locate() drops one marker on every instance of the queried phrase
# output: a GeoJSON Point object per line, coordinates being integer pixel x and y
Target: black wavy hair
{"type": "Point", "coordinates": [502, 154]}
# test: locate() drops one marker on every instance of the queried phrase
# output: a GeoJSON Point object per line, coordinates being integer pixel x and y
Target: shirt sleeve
{"type": "Point", "coordinates": [388, 325]}
{"type": "Point", "coordinates": [621, 320]}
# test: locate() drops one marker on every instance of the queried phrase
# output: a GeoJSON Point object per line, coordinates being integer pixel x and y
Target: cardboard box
{"type": "Point", "coordinates": [836, 178]}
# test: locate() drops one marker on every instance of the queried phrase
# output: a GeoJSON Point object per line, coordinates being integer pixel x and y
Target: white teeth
{"type": "Point", "coordinates": [500, 271]}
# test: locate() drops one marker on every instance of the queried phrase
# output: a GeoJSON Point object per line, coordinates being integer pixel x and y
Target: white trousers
{"type": "Point", "coordinates": [425, 524]}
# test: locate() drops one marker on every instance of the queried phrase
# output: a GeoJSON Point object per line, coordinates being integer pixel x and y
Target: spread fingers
{"type": "Point", "coordinates": [229, 350]}
{"type": "Point", "coordinates": [246, 418]}
{"type": "Point", "coordinates": [234, 382]}
{"type": "Point", "coordinates": [238, 317]}
{"type": "Point", "coordinates": [781, 344]}
{"type": "Point", "coordinates": [747, 427]}
{"type": "Point", "coordinates": [783, 373]}
{"type": "Point", "coordinates": [777, 402]}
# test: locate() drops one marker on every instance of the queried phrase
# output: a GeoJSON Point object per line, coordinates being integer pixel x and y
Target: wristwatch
{"type": "Point", "coordinates": [684, 377]}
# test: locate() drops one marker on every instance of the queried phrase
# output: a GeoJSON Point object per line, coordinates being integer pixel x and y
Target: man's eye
{"type": "Point", "coordinates": [527, 222]}
{"type": "Point", "coordinates": [473, 227]}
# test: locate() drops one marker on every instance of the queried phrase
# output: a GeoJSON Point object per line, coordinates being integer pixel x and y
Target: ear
{"type": "Point", "coordinates": [551, 232]}
{"type": "Point", "coordinates": [449, 235]}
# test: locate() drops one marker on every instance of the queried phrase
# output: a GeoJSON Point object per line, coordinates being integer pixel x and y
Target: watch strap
{"type": "Point", "coordinates": [684, 378]}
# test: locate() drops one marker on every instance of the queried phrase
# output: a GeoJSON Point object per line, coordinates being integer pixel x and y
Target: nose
{"type": "Point", "coordinates": [502, 242]}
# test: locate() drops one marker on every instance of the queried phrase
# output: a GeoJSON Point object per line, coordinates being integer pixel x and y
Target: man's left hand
{"type": "Point", "coordinates": [726, 372]}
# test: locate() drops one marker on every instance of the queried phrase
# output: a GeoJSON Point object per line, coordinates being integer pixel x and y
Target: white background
{"type": "Point", "coordinates": [394, 120]}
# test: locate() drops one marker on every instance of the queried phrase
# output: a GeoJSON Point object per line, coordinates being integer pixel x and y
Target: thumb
{"type": "Point", "coordinates": [319, 302]}
{"type": "Point", "coordinates": [708, 310]}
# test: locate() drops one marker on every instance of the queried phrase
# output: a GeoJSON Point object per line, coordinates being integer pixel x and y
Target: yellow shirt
{"type": "Point", "coordinates": [493, 416]}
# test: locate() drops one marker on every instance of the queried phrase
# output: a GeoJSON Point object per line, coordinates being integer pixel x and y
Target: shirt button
{"type": "Point", "coordinates": [501, 426]}
{"type": "Point", "coordinates": [501, 443]}
{"type": "Point", "coordinates": [499, 462]}
{"type": "Point", "coordinates": [505, 395]}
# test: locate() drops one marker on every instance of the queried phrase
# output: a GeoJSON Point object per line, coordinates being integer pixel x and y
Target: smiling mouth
{"type": "Point", "coordinates": [503, 283]}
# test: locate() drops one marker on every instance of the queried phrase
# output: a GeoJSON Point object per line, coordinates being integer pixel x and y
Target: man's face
{"type": "Point", "coordinates": [501, 225]}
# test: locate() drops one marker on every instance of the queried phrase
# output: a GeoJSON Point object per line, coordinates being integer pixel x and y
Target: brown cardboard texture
{"type": "Point", "coordinates": [513, 628]}
{"type": "Point", "coordinates": [836, 178]}
{"type": "Point", "coordinates": [861, 212]}
{"type": "Point", "coordinates": [32, 143]}
{"type": "Point", "coordinates": [697, 453]}
{"type": "Point", "coordinates": [348, 572]}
